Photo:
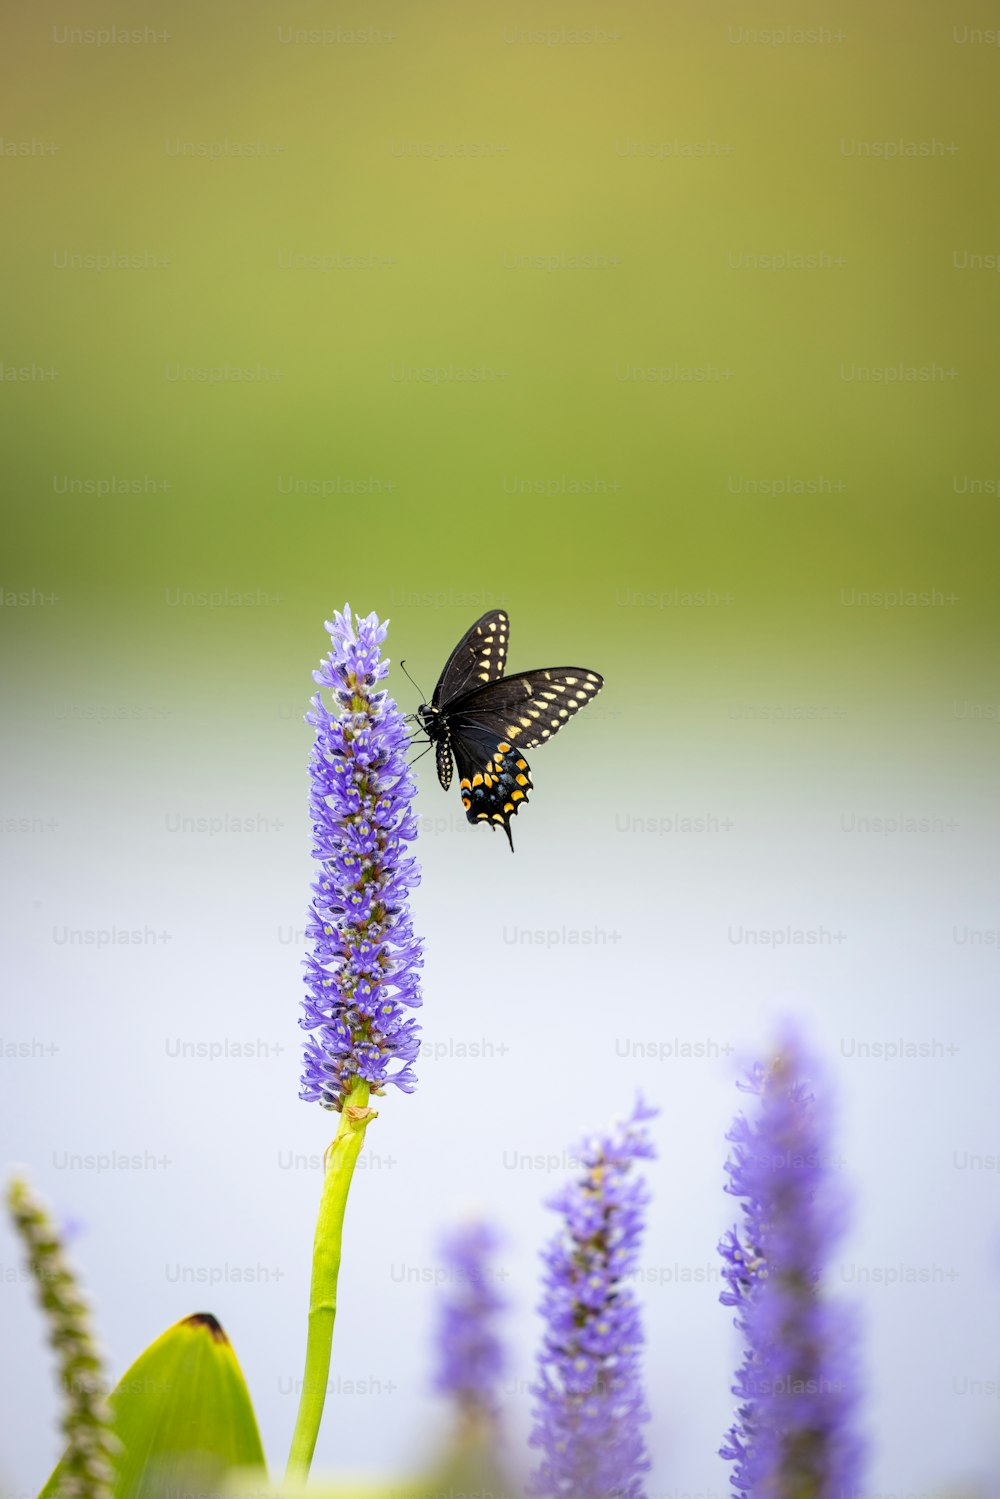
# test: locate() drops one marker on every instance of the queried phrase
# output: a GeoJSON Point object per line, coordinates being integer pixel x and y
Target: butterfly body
{"type": "Point", "coordinates": [486, 720]}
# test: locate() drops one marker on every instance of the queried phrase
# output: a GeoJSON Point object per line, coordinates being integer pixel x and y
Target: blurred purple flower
{"type": "Point", "coordinates": [362, 973]}
{"type": "Point", "coordinates": [794, 1435]}
{"type": "Point", "coordinates": [589, 1400]}
{"type": "Point", "coordinates": [470, 1355]}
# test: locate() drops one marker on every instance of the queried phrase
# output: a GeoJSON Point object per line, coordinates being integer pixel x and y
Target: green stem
{"type": "Point", "coordinates": [340, 1162]}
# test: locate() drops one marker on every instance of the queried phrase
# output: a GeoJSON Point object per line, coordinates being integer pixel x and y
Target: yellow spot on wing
{"type": "Point", "coordinates": [517, 796]}
{"type": "Point", "coordinates": [477, 779]}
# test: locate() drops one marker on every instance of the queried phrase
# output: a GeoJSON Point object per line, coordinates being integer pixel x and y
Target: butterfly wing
{"type": "Point", "coordinates": [494, 777]}
{"type": "Point", "coordinates": [526, 709]}
{"type": "Point", "coordinates": [494, 724]}
{"type": "Point", "coordinates": [478, 658]}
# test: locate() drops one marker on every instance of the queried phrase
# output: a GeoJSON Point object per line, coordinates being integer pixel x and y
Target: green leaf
{"type": "Point", "coordinates": [243, 1486]}
{"type": "Point", "coordinates": [183, 1415]}
{"type": "Point", "coordinates": [467, 1469]}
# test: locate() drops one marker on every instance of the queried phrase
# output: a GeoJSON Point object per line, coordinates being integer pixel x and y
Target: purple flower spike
{"type": "Point", "coordinates": [362, 972]}
{"type": "Point", "coordinates": [797, 1386]}
{"type": "Point", "coordinates": [590, 1406]}
{"type": "Point", "coordinates": [470, 1355]}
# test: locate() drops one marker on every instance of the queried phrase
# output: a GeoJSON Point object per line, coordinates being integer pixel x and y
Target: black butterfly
{"type": "Point", "coordinates": [487, 719]}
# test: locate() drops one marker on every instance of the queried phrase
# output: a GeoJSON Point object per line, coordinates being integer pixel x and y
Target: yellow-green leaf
{"type": "Point", "coordinates": [183, 1415]}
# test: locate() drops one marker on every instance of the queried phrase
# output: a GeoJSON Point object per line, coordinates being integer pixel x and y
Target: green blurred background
{"type": "Point", "coordinates": [439, 307]}
{"type": "Point", "coordinates": [557, 128]}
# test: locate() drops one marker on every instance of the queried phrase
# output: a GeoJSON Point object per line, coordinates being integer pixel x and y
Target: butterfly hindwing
{"type": "Point", "coordinates": [494, 779]}
{"type": "Point", "coordinates": [527, 708]}
{"type": "Point", "coordinates": [478, 658]}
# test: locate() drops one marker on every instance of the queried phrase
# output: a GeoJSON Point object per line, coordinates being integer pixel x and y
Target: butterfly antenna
{"type": "Point", "coordinates": [406, 674]}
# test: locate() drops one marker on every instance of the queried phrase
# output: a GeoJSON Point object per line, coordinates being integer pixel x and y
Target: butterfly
{"type": "Point", "coordinates": [488, 720]}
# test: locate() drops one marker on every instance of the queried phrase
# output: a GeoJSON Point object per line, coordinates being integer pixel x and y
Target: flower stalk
{"type": "Point", "coordinates": [87, 1469]}
{"type": "Point", "coordinates": [341, 1159]}
{"type": "Point", "coordinates": [362, 972]}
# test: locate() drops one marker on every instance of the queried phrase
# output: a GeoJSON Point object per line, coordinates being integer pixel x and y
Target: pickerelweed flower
{"type": "Point", "coordinates": [590, 1406]}
{"type": "Point", "coordinates": [87, 1467]}
{"type": "Point", "coordinates": [362, 972]}
{"type": "Point", "coordinates": [794, 1435]}
{"type": "Point", "coordinates": [470, 1354]}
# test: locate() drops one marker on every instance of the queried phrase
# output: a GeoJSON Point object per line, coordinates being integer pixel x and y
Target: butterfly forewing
{"type": "Point", "coordinates": [525, 709]}
{"type": "Point", "coordinates": [478, 658]}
